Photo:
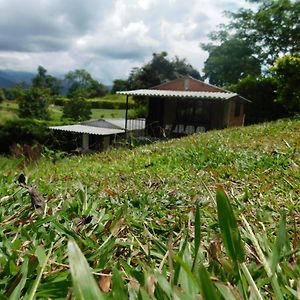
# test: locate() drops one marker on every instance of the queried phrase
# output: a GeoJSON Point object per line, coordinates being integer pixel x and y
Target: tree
{"type": "Point", "coordinates": [34, 103]}
{"type": "Point", "coordinates": [158, 70]}
{"type": "Point", "coordinates": [261, 35]}
{"type": "Point", "coordinates": [43, 80]}
{"type": "Point", "coordinates": [262, 92]}
{"type": "Point", "coordinates": [286, 73]}
{"type": "Point", "coordinates": [119, 85]}
{"type": "Point", "coordinates": [230, 62]}
{"type": "Point", "coordinates": [77, 109]}
{"type": "Point", "coordinates": [82, 84]}
{"type": "Point", "coordinates": [272, 30]}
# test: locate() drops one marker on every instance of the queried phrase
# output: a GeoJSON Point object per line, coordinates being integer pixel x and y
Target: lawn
{"type": "Point", "coordinates": [9, 110]}
{"type": "Point", "coordinates": [214, 214]}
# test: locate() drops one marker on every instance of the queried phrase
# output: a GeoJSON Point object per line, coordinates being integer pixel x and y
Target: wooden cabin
{"type": "Point", "coordinates": [187, 105]}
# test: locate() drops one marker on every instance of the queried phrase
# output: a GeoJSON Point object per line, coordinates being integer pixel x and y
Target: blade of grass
{"type": "Point", "coordinates": [197, 238]}
{"type": "Point", "coordinates": [84, 284]}
{"type": "Point", "coordinates": [118, 286]}
{"type": "Point", "coordinates": [32, 292]}
{"type": "Point", "coordinates": [228, 225]}
{"type": "Point", "coordinates": [17, 291]}
{"type": "Point", "coordinates": [279, 243]}
{"type": "Point", "coordinates": [208, 289]}
{"type": "Point", "coordinates": [251, 281]}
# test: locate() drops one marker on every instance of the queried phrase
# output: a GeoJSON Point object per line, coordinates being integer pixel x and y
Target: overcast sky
{"type": "Point", "coordinates": [106, 37]}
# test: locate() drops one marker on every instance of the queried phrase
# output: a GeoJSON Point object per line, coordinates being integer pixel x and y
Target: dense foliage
{"type": "Point", "coordinates": [44, 81]}
{"type": "Point", "coordinates": [22, 131]}
{"type": "Point", "coordinates": [230, 62]}
{"type": "Point", "coordinates": [81, 83]}
{"type": "Point", "coordinates": [34, 103]}
{"type": "Point", "coordinates": [262, 93]}
{"type": "Point", "coordinates": [158, 70]}
{"type": "Point", "coordinates": [77, 109]}
{"type": "Point", "coordinates": [149, 224]}
{"type": "Point", "coordinates": [286, 73]}
{"type": "Point", "coordinates": [262, 34]}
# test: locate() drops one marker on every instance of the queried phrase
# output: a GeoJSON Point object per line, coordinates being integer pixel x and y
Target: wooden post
{"type": "Point", "coordinates": [126, 115]}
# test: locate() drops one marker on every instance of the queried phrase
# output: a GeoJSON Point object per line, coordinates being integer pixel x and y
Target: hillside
{"type": "Point", "coordinates": [148, 216]}
{"type": "Point", "coordinates": [9, 78]}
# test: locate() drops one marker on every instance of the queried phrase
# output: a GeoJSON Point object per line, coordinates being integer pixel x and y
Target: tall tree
{"type": "Point", "coordinates": [43, 80]}
{"type": "Point", "coordinates": [272, 30]}
{"type": "Point", "coordinates": [82, 83]}
{"type": "Point", "coordinates": [262, 34]}
{"type": "Point", "coordinates": [34, 103]}
{"type": "Point", "coordinates": [158, 70]}
{"type": "Point", "coordinates": [230, 62]}
{"type": "Point", "coordinates": [119, 85]}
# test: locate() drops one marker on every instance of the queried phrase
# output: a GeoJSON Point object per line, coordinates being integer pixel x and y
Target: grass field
{"type": "Point", "coordinates": [9, 110]}
{"type": "Point", "coordinates": [209, 216]}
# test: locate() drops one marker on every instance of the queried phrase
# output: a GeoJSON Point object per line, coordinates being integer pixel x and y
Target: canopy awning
{"type": "Point", "coordinates": [183, 94]}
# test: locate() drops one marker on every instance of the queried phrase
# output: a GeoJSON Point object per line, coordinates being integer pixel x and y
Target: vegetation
{"type": "Point", "coordinates": [259, 35]}
{"type": "Point", "coordinates": [286, 72]}
{"type": "Point", "coordinates": [44, 81]}
{"type": "Point", "coordinates": [262, 92]}
{"type": "Point", "coordinates": [34, 103]}
{"type": "Point", "coordinates": [77, 109]}
{"type": "Point", "coordinates": [158, 70]}
{"type": "Point", "coordinates": [82, 84]}
{"type": "Point", "coordinates": [155, 223]}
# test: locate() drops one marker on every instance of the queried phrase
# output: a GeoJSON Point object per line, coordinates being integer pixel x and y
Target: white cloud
{"type": "Point", "coordinates": [108, 38]}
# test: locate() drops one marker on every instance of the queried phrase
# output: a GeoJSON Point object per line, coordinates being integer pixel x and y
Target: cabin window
{"type": "Point", "coordinates": [195, 113]}
{"type": "Point", "coordinates": [237, 109]}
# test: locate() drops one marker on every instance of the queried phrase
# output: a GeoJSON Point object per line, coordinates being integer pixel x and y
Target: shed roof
{"type": "Point", "coordinates": [103, 126]}
{"type": "Point", "coordinates": [181, 94]}
{"type": "Point", "coordinates": [79, 128]}
{"type": "Point", "coordinates": [188, 83]}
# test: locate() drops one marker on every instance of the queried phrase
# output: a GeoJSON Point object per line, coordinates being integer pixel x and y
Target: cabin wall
{"type": "Point", "coordinates": [236, 114]}
{"type": "Point", "coordinates": [170, 107]}
{"type": "Point", "coordinates": [217, 115]}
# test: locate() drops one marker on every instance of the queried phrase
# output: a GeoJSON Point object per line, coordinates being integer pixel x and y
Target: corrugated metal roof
{"type": "Point", "coordinates": [179, 94]}
{"type": "Point", "coordinates": [88, 129]}
{"type": "Point", "coordinates": [132, 124]}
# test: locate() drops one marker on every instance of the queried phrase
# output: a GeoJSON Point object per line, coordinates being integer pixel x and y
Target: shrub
{"type": "Point", "coordinates": [23, 131]}
{"type": "Point", "coordinates": [33, 103]}
{"type": "Point", "coordinates": [262, 92]}
{"type": "Point", "coordinates": [77, 109]}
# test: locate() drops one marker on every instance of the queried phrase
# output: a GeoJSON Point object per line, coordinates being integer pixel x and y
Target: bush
{"type": "Point", "coordinates": [33, 103]}
{"type": "Point", "coordinates": [77, 109]}
{"type": "Point", "coordinates": [262, 92]}
{"type": "Point", "coordinates": [23, 131]}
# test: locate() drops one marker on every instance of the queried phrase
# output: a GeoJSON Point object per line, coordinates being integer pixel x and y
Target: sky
{"type": "Point", "coordinates": [108, 38]}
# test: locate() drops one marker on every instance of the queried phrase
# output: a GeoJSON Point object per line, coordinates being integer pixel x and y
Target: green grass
{"type": "Point", "coordinates": [9, 110]}
{"type": "Point", "coordinates": [215, 214]}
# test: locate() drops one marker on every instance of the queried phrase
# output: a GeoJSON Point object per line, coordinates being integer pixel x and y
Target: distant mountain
{"type": "Point", "coordinates": [9, 78]}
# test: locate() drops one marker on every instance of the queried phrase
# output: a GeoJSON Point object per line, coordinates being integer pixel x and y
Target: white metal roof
{"type": "Point", "coordinates": [88, 129]}
{"type": "Point", "coordinates": [132, 124]}
{"type": "Point", "coordinates": [179, 94]}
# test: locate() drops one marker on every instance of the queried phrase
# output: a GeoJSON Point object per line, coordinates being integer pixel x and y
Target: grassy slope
{"type": "Point", "coordinates": [142, 205]}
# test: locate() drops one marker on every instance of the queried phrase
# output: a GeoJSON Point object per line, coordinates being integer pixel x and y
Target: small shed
{"type": "Point", "coordinates": [100, 134]}
{"type": "Point", "coordinates": [187, 105]}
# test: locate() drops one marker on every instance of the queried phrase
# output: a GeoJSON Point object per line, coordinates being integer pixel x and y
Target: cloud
{"type": "Point", "coordinates": [108, 38]}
